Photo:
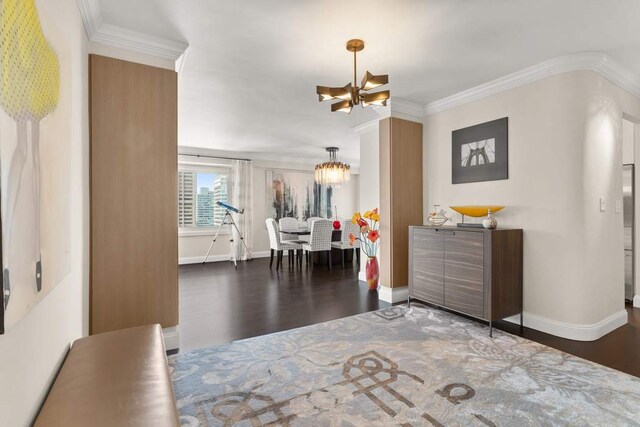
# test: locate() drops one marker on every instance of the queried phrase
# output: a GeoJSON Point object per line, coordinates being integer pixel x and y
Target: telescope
{"type": "Point", "coordinates": [231, 208]}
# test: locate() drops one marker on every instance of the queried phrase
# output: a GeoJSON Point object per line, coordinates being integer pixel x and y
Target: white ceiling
{"type": "Point", "coordinates": [249, 75]}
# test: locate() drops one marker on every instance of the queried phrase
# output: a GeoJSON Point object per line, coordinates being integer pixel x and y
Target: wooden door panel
{"type": "Point", "coordinates": [134, 240]}
{"type": "Point", "coordinates": [427, 265]}
{"type": "Point", "coordinates": [464, 272]}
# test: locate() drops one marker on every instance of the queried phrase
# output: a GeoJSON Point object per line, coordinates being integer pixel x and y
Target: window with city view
{"type": "Point", "coordinates": [198, 192]}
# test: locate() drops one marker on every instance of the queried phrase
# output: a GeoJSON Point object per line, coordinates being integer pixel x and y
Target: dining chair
{"type": "Point", "coordinates": [278, 246]}
{"type": "Point", "coordinates": [308, 223]}
{"type": "Point", "coordinates": [319, 239]}
{"type": "Point", "coordinates": [344, 244]}
{"type": "Point", "coordinates": [288, 224]}
{"type": "Point", "coordinates": [312, 219]}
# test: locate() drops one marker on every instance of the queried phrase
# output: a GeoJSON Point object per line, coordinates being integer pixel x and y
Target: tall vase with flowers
{"type": "Point", "coordinates": [369, 238]}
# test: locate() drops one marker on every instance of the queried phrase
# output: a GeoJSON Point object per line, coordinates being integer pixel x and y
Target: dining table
{"type": "Point", "coordinates": [320, 257]}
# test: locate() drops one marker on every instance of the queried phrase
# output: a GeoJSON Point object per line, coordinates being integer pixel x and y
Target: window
{"type": "Point", "coordinates": [199, 188]}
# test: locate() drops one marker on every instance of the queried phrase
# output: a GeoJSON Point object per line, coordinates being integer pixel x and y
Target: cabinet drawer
{"type": "Point", "coordinates": [464, 272]}
{"type": "Point", "coordinates": [426, 279]}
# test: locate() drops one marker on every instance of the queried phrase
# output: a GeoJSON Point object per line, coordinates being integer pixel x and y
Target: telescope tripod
{"type": "Point", "coordinates": [228, 220]}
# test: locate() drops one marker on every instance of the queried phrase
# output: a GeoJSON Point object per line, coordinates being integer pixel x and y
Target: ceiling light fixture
{"type": "Point", "coordinates": [351, 94]}
{"type": "Point", "coordinates": [332, 173]}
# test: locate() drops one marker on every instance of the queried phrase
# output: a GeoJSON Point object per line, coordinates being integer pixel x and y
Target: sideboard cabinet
{"type": "Point", "coordinates": [473, 271]}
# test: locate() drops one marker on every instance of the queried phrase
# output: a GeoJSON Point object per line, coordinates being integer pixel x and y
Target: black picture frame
{"type": "Point", "coordinates": [480, 152]}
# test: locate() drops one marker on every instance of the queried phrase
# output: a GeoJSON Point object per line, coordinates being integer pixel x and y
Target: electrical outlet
{"type": "Point", "coordinates": [603, 204]}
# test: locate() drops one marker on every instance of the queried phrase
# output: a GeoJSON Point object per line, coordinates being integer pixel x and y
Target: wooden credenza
{"type": "Point", "coordinates": [472, 271]}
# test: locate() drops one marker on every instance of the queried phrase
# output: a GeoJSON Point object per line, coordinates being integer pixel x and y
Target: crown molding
{"type": "Point", "coordinates": [586, 61]}
{"type": "Point", "coordinates": [368, 126]}
{"type": "Point", "coordinates": [112, 35]}
{"type": "Point", "coordinates": [406, 107]}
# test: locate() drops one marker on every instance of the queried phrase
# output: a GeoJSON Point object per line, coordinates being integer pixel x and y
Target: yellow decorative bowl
{"type": "Point", "coordinates": [476, 211]}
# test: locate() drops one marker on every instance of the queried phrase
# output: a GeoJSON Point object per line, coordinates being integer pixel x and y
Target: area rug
{"type": "Point", "coordinates": [402, 367]}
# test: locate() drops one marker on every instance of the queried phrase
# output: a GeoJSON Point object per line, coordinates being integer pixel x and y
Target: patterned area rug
{"type": "Point", "coordinates": [398, 367]}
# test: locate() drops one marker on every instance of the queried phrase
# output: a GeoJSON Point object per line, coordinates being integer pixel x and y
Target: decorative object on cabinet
{"type": "Point", "coordinates": [476, 272]}
{"type": "Point", "coordinates": [437, 216]}
{"type": "Point", "coordinates": [475, 211]}
{"type": "Point", "coordinates": [490, 222]}
{"type": "Point", "coordinates": [369, 239]}
{"type": "Point", "coordinates": [480, 152]}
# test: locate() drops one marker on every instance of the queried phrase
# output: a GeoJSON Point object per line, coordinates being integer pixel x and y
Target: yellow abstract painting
{"type": "Point", "coordinates": [29, 93]}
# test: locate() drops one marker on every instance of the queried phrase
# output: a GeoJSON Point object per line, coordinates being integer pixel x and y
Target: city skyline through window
{"type": "Point", "coordinates": [198, 194]}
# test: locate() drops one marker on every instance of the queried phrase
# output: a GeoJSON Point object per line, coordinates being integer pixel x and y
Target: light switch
{"type": "Point", "coordinates": [618, 206]}
{"type": "Point", "coordinates": [603, 204]}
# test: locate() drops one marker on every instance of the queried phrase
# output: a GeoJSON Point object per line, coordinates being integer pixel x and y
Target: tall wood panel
{"type": "Point", "coordinates": [134, 240]}
{"type": "Point", "coordinates": [400, 196]}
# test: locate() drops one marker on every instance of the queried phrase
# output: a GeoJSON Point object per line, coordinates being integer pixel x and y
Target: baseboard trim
{"type": "Point", "coordinates": [171, 338]}
{"type": "Point", "coordinates": [636, 301]}
{"type": "Point", "coordinates": [393, 295]}
{"type": "Point", "coordinates": [573, 331]}
{"type": "Point", "coordinates": [218, 258]}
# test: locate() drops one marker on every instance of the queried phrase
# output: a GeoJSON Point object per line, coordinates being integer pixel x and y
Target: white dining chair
{"type": "Point", "coordinates": [288, 223]}
{"type": "Point", "coordinates": [319, 239]}
{"type": "Point", "coordinates": [346, 228]}
{"type": "Point", "coordinates": [278, 246]}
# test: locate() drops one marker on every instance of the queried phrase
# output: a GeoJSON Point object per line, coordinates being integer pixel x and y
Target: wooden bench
{"type": "Point", "coordinates": [118, 378]}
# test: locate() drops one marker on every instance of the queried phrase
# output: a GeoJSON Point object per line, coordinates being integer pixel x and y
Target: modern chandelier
{"type": "Point", "coordinates": [351, 94]}
{"type": "Point", "coordinates": [332, 173]}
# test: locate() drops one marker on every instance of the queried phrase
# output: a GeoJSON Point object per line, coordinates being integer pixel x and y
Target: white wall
{"type": "Point", "coordinates": [193, 248]}
{"type": "Point", "coordinates": [369, 196]}
{"type": "Point", "coordinates": [31, 352]}
{"type": "Point", "coordinates": [565, 152]}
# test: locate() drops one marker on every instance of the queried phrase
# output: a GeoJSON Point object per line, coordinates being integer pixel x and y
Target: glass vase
{"type": "Point", "coordinates": [373, 273]}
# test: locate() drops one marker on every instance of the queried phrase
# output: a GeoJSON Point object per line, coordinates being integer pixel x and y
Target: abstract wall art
{"type": "Point", "coordinates": [480, 152]}
{"type": "Point", "coordinates": [34, 152]}
{"type": "Point", "coordinates": [296, 194]}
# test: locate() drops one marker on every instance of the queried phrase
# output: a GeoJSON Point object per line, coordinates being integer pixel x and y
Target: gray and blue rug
{"type": "Point", "coordinates": [398, 367]}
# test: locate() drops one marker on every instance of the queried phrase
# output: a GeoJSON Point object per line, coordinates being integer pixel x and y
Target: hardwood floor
{"type": "Point", "coordinates": [220, 305]}
{"type": "Point", "coordinates": [618, 349]}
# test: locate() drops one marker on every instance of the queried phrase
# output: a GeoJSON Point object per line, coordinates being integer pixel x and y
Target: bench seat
{"type": "Point", "coordinates": [118, 378]}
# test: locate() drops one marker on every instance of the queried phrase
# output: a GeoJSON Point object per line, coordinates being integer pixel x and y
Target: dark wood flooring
{"type": "Point", "coordinates": [219, 305]}
{"type": "Point", "coordinates": [619, 349]}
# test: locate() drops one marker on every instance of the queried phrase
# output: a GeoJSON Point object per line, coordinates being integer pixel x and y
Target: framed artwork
{"type": "Point", "coordinates": [35, 147]}
{"type": "Point", "coordinates": [480, 152]}
{"type": "Point", "coordinates": [295, 194]}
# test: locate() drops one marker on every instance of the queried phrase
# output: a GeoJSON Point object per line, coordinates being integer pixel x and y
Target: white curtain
{"type": "Point", "coordinates": [242, 198]}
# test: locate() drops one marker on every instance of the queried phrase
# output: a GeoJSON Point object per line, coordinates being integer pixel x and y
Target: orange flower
{"type": "Point", "coordinates": [364, 229]}
{"type": "Point", "coordinates": [375, 211]}
{"type": "Point", "coordinates": [362, 223]}
{"type": "Point", "coordinates": [352, 239]}
{"type": "Point", "coordinates": [373, 235]}
{"type": "Point", "coordinates": [356, 216]}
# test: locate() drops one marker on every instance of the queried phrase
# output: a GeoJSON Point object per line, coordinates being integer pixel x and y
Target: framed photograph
{"type": "Point", "coordinates": [480, 152]}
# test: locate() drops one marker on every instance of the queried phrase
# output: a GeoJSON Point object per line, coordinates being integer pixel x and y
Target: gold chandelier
{"type": "Point", "coordinates": [332, 173]}
{"type": "Point", "coordinates": [351, 94]}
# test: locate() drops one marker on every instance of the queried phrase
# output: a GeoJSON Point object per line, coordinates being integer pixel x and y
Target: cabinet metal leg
{"type": "Point", "coordinates": [490, 329]}
{"type": "Point", "coordinates": [408, 302]}
{"type": "Point", "coordinates": [521, 323]}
